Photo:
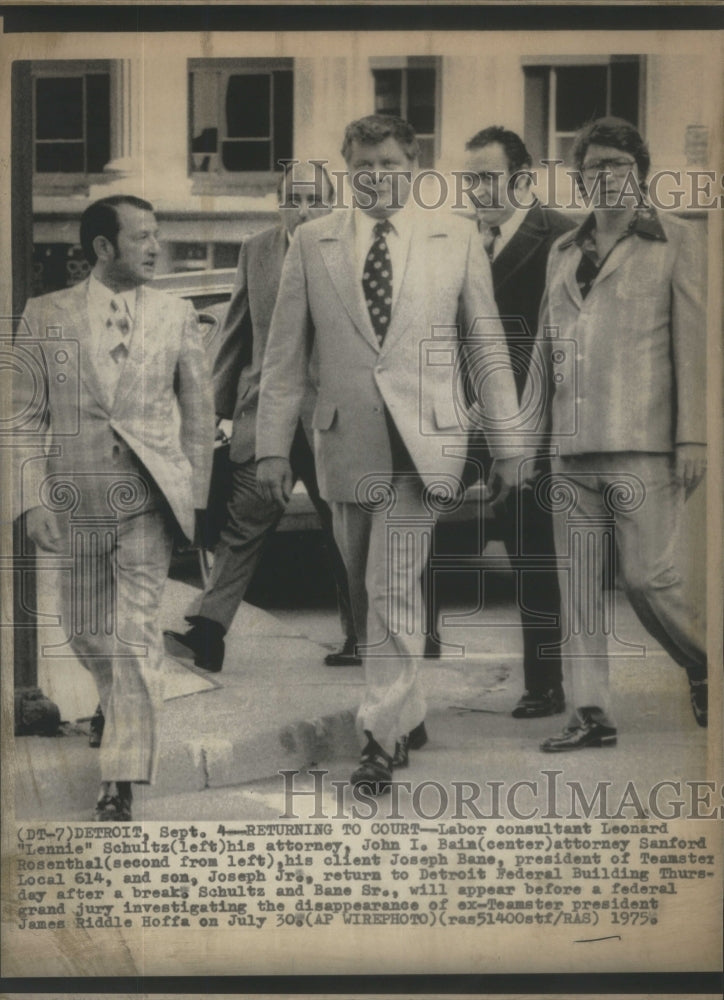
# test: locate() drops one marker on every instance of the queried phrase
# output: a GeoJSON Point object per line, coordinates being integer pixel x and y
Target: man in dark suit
{"type": "Point", "coordinates": [305, 192]}
{"type": "Point", "coordinates": [517, 234]}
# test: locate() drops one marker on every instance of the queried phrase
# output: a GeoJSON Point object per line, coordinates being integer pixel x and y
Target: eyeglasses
{"type": "Point", "coordinates": [618, 166]}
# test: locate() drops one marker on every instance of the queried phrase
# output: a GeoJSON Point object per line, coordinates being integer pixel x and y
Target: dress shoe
{"type": "Point", "coordinates": [413, 740]}
{"type": "Point", "coordinates": [590, 729]}
{"type": "Point", "coordinates": [374, 773]}
{"type": "Point", "coordinates": [97, 724]}
{"type": "Point", "coordinates": [204, 641]}
{"type": "Point", "coordinates": [699, 694]}
{"type": "Point", "coordinates": [114, 805]}
{"type": "Point", "coordinates": [534, 705]}
{"type": "Point", "coordinates": [346, 656]}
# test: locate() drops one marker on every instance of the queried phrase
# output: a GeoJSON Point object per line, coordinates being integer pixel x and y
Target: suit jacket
{"type": "Point", "coordinates": [519, 274]}
{"type": "Point", "coordinates": [237, 368]}
{"type": "Point", "coordinates": [156, 433]}
{"type": "Point", "coordinates": [631, 363]}
{"type": "Point", "coordinates": [414, 375]}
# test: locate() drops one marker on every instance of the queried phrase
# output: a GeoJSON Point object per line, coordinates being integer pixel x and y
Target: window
{"type": "Point", "coordinates": [560, 98]}
{"type": "Point", "coordinates": [409, 89]}
{"type": "Point", "coordinates": [71, 118]}
{"type": "Point", "coordinates": [241, 115]}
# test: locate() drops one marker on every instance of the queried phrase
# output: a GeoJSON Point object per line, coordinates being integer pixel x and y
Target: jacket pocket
{"type": "Point", "coordinates": [447, 416]}
{"type": "Point", "coordinates": [323, 417]}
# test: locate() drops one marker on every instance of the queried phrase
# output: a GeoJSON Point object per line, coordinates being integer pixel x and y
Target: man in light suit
{"type": "Point", "coordinates": [517, 234]}
{"type": "Point", "coordinates": [376, 293]}
{"type": "Point", "coordinates": [305, 192]}
{"type": "Point", "coordinates": [628, 288]}
{"type": "Point", "coordinates": [113, 376]}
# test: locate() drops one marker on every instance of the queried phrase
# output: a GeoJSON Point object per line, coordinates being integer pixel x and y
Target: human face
{"type": "Point", "coordinates": [306, 194]}
{"type": "Point", "coordinates": [371, 168]}
{"type": "Point", "coordinates": [616, 172]}
{"type": "Point", "coordinates": [490, 163]}
{"type": "Point", "coordinates": [133, 261]}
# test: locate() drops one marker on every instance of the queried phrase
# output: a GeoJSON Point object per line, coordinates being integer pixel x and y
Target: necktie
{"type": "Point", "coordinates": [118, 324]}
{"type": "Point", "coordinates": [377, 281]}
{"type": "Point", "coordinates": [490, 235]}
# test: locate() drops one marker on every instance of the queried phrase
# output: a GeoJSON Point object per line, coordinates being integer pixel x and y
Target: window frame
{"type": "Point", "coordinates": [552, 64]}
{"type": "Point", "coordinates": [406, 63]}
{"type": "Point", "coordinates": [70, 182]}
{"type": "Point", "coordinates": [252, 182]}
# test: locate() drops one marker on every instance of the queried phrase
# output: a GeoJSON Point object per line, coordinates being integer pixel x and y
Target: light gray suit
{"type": "Point", "coordinates": [121, 474]}
{"type": "Point", "coordinates": [390, 423]}
{"type": "Point", "coordinates": [635, 391]}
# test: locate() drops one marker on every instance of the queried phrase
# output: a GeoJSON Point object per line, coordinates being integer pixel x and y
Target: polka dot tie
{"type": "Point", "coordinates": [377, 281]}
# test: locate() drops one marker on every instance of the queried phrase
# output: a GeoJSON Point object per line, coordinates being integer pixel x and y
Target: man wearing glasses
{"type": "Point", "coordinates": [627, 287]}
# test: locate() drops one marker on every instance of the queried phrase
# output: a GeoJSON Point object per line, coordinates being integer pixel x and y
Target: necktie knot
{"type": "Point", "coordinates": [382, 228]}
{"type": "Point", "coordinates": [118, 323]}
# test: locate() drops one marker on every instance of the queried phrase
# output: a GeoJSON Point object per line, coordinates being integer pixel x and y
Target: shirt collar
{"type": "Point", "coordinates": [645, 222]}
{"type": "Point", "coordinates": [511, 225]}
{"type": "Point", "coordinates": [100, 295]}
{"type": "Point", "coordinates": [400, 221]}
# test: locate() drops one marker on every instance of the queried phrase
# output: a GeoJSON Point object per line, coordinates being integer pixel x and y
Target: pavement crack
{"type": "Point", "coordinates": [205, 768]}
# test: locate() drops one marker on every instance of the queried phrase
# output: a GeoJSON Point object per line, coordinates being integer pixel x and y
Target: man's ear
{"type": "Point", "coordinates": [104, 249]}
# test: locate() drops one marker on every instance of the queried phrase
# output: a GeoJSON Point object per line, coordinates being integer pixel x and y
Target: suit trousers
{"type": "Point", "coordinates": [385, 545]}
{"type": "Point", "coordinates": [526, 529]}
{"type": "Point", "coordinates": [621, 519]}
{"type": "Point", "coordinates": [112, 605]}
{"type": "Point", "coordinates": [249, 521]}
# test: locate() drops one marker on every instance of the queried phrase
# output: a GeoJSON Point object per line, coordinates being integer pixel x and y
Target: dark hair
{"type": "Point", "coordinates": [515, 150]}
{"type": "Point", "coordinates": [374, 129]}
{"type": "Point", "coordinates": [615, 132]}
{"type": "Point", "coordinates": [289, 171]}
{"type": "Point", "coordinates": [101, 219]}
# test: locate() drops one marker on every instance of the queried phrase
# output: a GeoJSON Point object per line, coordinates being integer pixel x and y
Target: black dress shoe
{"type": "Point", "coordinates": [538, 704]}
{"type": "Point", "coordinates": [346, 656]}
{"type": "Point", "coordinates": [203, 643]}
{"type": "Point", "coordinates": [591, 730]}
{"type": "Point", "coordinates": [374, 773]}
{"type": "Point", "coordinates": [699, 695]}
{"type": "Point", "coordinates": [97, 724]}
{"type": "Point", "coordinates": [415, 739]}
{"type": "Point", "coordinates": [114, 806]}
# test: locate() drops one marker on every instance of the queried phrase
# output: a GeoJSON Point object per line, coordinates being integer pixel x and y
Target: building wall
{"type": "Point", "coordinates": [478, 85]}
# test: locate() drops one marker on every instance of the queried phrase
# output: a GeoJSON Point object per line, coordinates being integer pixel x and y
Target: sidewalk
{"type": "Point", "coordinates": [276, 706]}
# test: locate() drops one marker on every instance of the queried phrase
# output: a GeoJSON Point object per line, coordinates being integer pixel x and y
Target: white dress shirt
{"type": "Point", "coordinates": [397, 239]}
{"type": "Point", "coordinates": [105, 339]}
{"type": "Point", "coordinates": [509, 228]}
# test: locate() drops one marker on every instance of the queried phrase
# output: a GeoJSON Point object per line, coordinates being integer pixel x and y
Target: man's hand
{"type": "Point", "coordinates": [274, 479]}
{"type": "Point", "coordinates": [504, 476]}
{"type": "Point", "coordinates": [42, 528]}
{"type": "Point", "coordinates": [690, 465]}
{"type": "Point", "coordinates": [224, 429]}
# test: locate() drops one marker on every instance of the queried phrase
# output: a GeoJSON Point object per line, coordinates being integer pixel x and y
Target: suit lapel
{"type": "Point", "coordinates": [338, 252]}
{"type": "Point", "coordinates": [515, 254]}
{"type": "Point", "coordinates": [76, 308]}
{"type": "Point", "coordinates": [618, 255]}
{"type": "Point", "coordinates": [420, 251]}
{"type": "Point", "coordinates": [146, 318]}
